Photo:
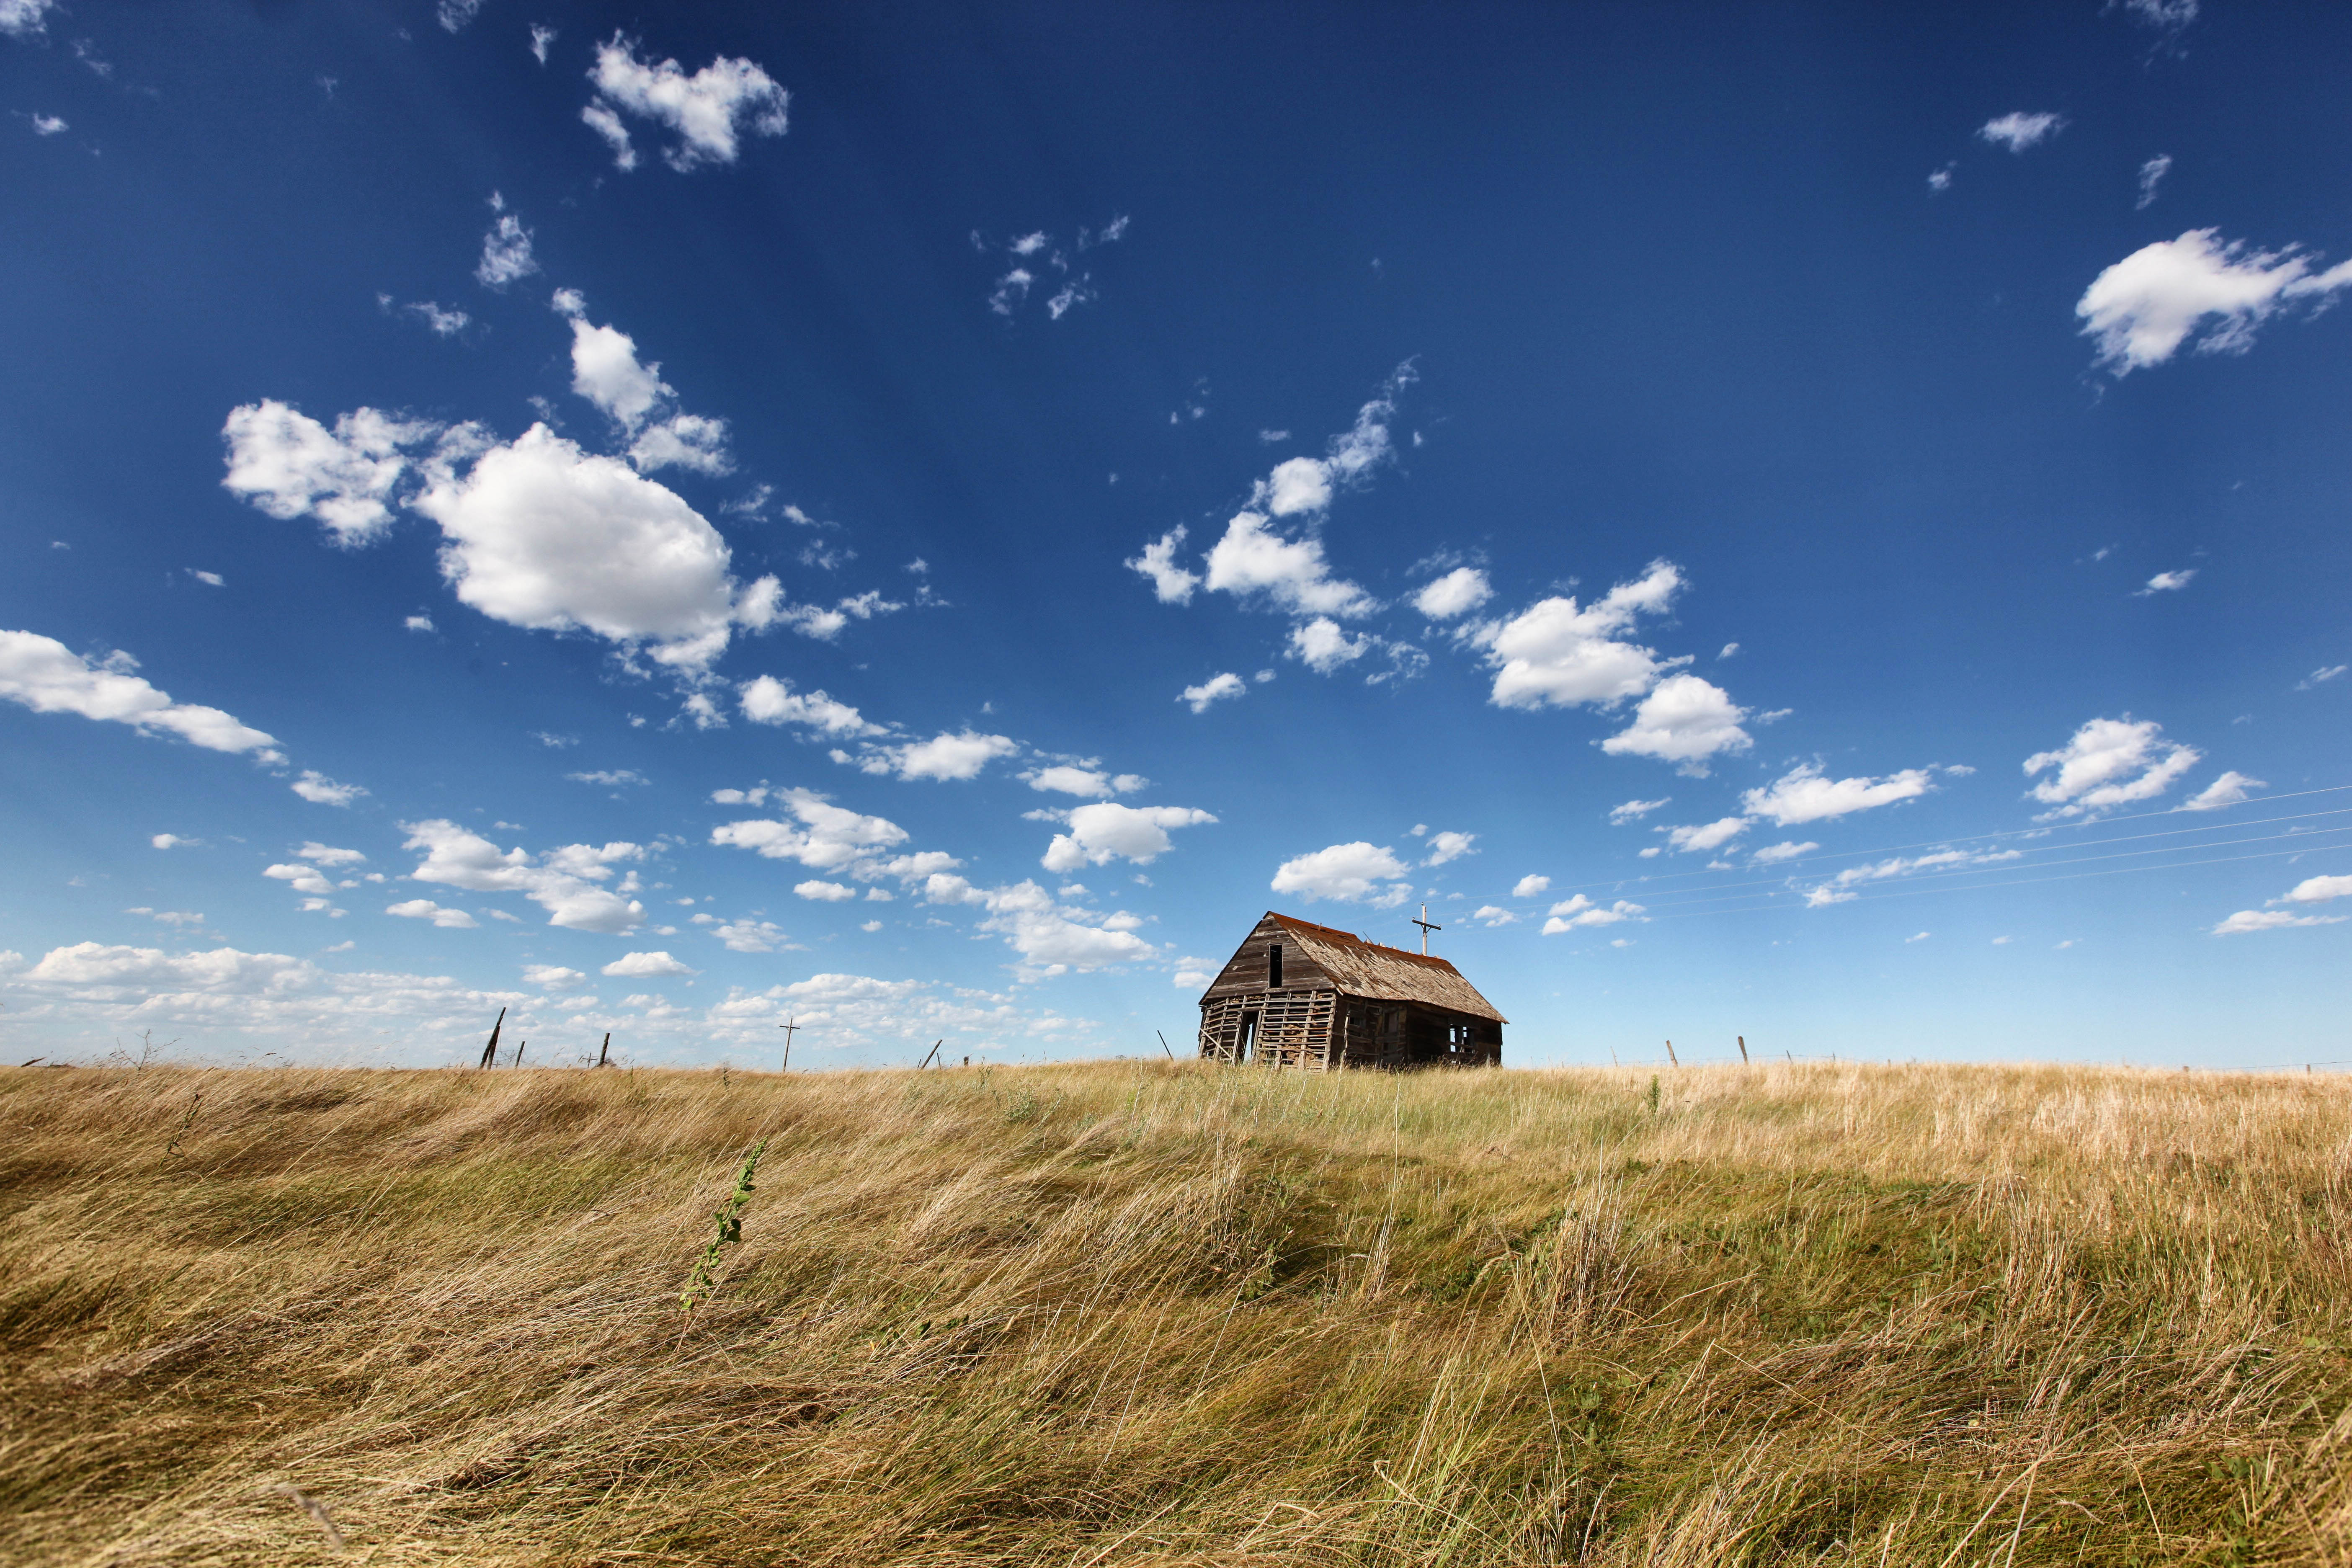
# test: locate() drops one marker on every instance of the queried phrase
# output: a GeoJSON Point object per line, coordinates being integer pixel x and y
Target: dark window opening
{"type": "Point", "coordinates": [1249, 1037]}
{"type": "Point", "coordinates": [1274, 967]}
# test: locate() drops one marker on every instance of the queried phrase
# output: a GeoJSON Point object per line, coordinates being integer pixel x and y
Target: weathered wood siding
{"type": "Point", "coordinates": [1343, 1003]}
{"type": "Point", "coordinates": [1245, 973]}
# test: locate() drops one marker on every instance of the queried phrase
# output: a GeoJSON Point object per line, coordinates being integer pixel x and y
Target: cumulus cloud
{"type": "Point", "coordinates": [825, 892]}
{"type": "Point", "coordinates": [814, 831]}
{"type": "Point", "coordinates": [1444, 846]}
{"type": "Point", "coordinates": [1053, 939]}
{"type": "Point", "coordinates": [543, 535]}
{"type": "Point", "coordinates": [2230, 789]}
{"type": "Point", "coordinates": [1634, 810]}
{"type": "Point", "coordinates": [960, 755]}
{"type": "Point", "coordinates": [427, 910]}
{"type": "Point", "coordinates": [1528, 886]}
{"type": "Point", "coordinates": [1214, 688]}
{"type": "Point", "coordinates": [2246, 920]}
{"type": "Point", "coordinates": [1324, 646]}
{"type": "Point", "coordinates": [1457, 593]}
{"type": "Point", "coordinates": [2108, 762]}
{"type": "Point", "coordinates": [1684, 719]}
{"type": "Point", "coordinates": [2019, 131]}
{"type": "Point", "coordinates": [289, 465]}
{"type": "Point", "coordinates": [708, 112]}
{"type": "Point", "coordinates": [553, 977]}
{"type": "Point", "coordinates": [505, 252]}
{"type": "Point", "coordinates": [1557, 652]}
{"type": "Point", "coordinates": [753, 936]}
{"type": "Point", "coordinates": [1580, 912]}
{"type": "Point", "coordinates": [2142, 309]}
{"type": "Point", "coordinates": [1090, 781]}
{"type": "Point", "coordinates": [319, 790]}
{"type": "Point", "coordinates": [644, 965]}
{"type": "Point", "coordinates": [1171, 583]}
{"type": "Point", "coordinates": [1347, 873]}
{"type": "Point", "coordinates": [1106, 831]}
{"type": "Point", "coordinates": [1804, 794]}
{"type": "Point", "coordinates": [43, 675]}
{"type": "Point", "coordinates": [766, 700]}
{"type": "Point", "coordinates": [1255, 561]}
{"type": "Point", "coordinates": [1493, 915]}
{"type": "Point", "coordinates": [563, 881]}
{"type": "Point", "coordinates": [302, 878]}
{"type": "Point", "coordinates": [1708, 835]}
{"type": "Point", "coordinates": [26, 19]}
{"type": "Point", "coordinates": [2319, 889]}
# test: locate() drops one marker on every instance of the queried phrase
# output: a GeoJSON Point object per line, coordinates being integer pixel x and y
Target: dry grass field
{"type": "Point", "coordinates": [1157, 1313]}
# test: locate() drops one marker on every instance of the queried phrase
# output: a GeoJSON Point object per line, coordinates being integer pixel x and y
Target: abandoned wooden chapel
{"type": "Point", "coordinates": [1301, 994]}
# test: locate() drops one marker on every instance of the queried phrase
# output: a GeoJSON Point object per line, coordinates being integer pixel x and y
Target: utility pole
{"type": "Point", "coordinates": [789, 1027]}
{"type": "Point", "coordinates": [1426, 925]}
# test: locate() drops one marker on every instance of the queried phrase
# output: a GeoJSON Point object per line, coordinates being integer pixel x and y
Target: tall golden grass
{"type": "Point", "coordinates": [1160, 1313]}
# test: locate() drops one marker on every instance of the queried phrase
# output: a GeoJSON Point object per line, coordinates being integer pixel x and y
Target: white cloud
{"type": "Point", "coordinates": [767, 701]}
{"type": "Point", "coordinates": [1731, 650]}
{"type": "Point", "coordinates": [172, 841]}
{"type": "Point", "coordinates": [2151, 174]}
{"type": "Point", "coordinates": [1633, 810]}
{"type": "Point", "coordinates": [506, 253]}
{"type": "Point", "coordinates": [1011, 289]}
{"type": "Point", "coordinates": [543, 535]}
{"type": "Point", "coordinates": [1172, 583]}
{"type": "Point", "coordinates": [2142, 309]}
{"type": "Point", "coordinates": [1212, 689]}
{"type": "Point", "coordinates": [606, 372]}
{"type": "Point", "coordinates": [328, 855]}
{"type": "Point", "coordinates": [553, 977]}
{"type": "Point", "coordinates": [825, 892]}
{"type": "Point", "coordinates": [562, 882]}
{"type": "Point", "coordinates": [1347, 873]}
{"type": "Point", "coordinates": [1323, 646]}
{"type": "Point", "coordinates": [2019, 131]}
{"type": "Point", "coordinates": [821, 835]}
{"type": "Point", "coordinates": [319, 790]}
{"type": "Point", "coordinates": [753, 936]}
{"type": "Point", "coordinates": [1089, 782]}
{"type": "Point", "coordinates": [1803, 794]}
{"type": "Point", "coordinates": [1494, 915]}
{"type": "Point", "coordinates": [26, 19]}
{"type": "Point", "coordinates": [43, 675]}
{"type": "Point", "coordinates": [1836, 890]}
{"type": "Point", "coordinates": [1570, 914]}
{"type": "Point", "coordinates": [642, 966]}
{"type": "Point", "coordinates": [209, 579]}
{"type": "Point", "coordinates": [1684, 719]}
{"type": "Point", "coordinates": [1444, 846]}
{"type": "Point", "coordinates": [1773, 853]}
{"type": "Point", "coordinates": [2321, 676]}
{"type": "Point", "coordinates": [610, 778]}
{"type": "Point", "coordinates": [2167, 15]}
{"type": "Point", "coordinates": [1921, 936]}
{"type": "Point", "coordinates": [944, 756]}
{"type": "Point", "coordinates": [1557, 654]}
{"type": "Point", "coordinates": [302, 878]}
{"type": "Point", "coordinates": [418, 623]}
{"type": "Point", "coordinates": [2246, 920]}
{"type": "Point", "coordinates": [427, 910]}
{"type": "Point", "coordinates": [2319, 889]}
{"type": "Point", "coordinates": [686, 441]}
{"type": "Point", "coordinates": [1528, 886]}
{"type": "Point", "coordinates": [1709, 836]}
{"type": "Point", "coordinates": [2230, 789]}
{"type": "Point", "coordinates": [2167, 582]}
{"type": "Point", "coordinates": [445, 323]}
{"type": "Point", "coordinates": [1296, 485]}
{"type": "Point", "coordinates": [541, 37]}
{"type": "Point", "coordinates": [2108, 762]}
{"type": "Point", "coordinates": [287, 464]}
{"type": "Point", "coordinates": [1291, 574]}
{"type": "Point", "coordinates": [1457, 593]}
{"type": "Point", "coordinates": [707, 111]}
{"type": "Point", "coordinates": [1940, 180]}
{"type": "Point", "coordinates": [453, 15]}
{"type": "Point", "coordinates": [1106, 831]}
{"type": "Point", "coordinates": [1052, 940]}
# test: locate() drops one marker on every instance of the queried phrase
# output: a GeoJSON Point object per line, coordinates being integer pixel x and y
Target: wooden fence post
{"type": "Point", "coordinates": [1743, 1049]}
{"type": "Point", "coordinates": [490, 1051]}
{"type": "Point", "coordinates": [1670, 1054]}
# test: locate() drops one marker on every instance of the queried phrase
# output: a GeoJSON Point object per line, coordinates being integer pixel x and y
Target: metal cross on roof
{"type": "Point", "coordinates": [1426, 925]}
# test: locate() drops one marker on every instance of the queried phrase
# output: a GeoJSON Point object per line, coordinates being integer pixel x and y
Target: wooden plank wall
{"type": "Point", "coordinates": [1245, 973]}
{"type": "Point", "coordinates": [1323, 1030]}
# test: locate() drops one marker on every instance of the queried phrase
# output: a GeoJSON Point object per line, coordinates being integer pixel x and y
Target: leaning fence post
{"type": "Point", "coordinates": [490, 1051]}
{"type": "Point", "coordinates": [602, 1051]}
{"type": "Point", "coordinates": [1670, 1054]}
{"type": "Point", "coordinates": [1743, 1049]}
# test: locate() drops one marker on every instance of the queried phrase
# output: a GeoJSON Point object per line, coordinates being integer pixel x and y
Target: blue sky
{"type": "Point", "coordinates": [1818, 523]}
